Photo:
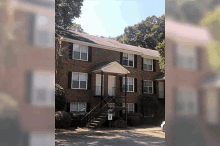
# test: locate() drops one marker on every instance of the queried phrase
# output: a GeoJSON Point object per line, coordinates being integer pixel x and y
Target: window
{"type": "Point", "coordinates": [128, 60]}
{"type": "Point", "coordinates": [78, 107]}
{"type": "Point", "coordinates": [186, 102]}
{"type": "Point", "coordinates": [79, 80]}
{"type": "Point", "coordinates": [130, 107]}
{"type": "Point", "coordinates": [80, 52]}
{"type": "Point", "coordinates": [148, 64]}
{"type": "Point", "coordinates": [211, 102]}
{"type": "Point", "coordinates": [148, 86]}
{"type": "Point", "coordinates": [130, 84]}
{"type": "Point", "coordinates": [185, 57]}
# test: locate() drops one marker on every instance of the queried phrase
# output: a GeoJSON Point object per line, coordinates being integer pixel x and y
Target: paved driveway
{"type": "Point", "coordinates": [130, 137]}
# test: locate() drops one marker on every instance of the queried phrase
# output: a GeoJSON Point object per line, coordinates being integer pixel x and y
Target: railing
{"type": "Point", "coordinates": [100, 111]}
{"type": "Point", "coordinates": [98, 90]}
{"type": "Point", "coordinates": [89, 115]}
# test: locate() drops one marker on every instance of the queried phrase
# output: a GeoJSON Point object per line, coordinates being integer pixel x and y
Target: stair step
{"type": "Point", "coordinates": [96, 121]}
{"type": "Point", "coordinates": [102, 116]}
{"type": "Point", "coordinates": [99, 119]}
{"type": "Point", "coordinates": [93, 124]}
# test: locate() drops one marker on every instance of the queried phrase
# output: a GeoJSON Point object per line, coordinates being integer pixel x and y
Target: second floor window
{"type": "Point", "coordinates": [148, 86]}
{"type": "Point", "coordinates": [130, 84]}
{"type": "Point", "coordinates": [148, 64]}
{"type": "Point", "coordinates": [80, 52]}
{"type": "Point", "coordinates": [79, 80]}
{"type": "Point", "coordinates": [128, 59]}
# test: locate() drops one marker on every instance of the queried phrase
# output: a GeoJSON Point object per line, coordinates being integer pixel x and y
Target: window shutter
{"type": "Point", "coordinates": [120, 78]}
{"type": "Point", "coordinates": [154, 65]}
{"type": "Point", "coordinates": [154, 84]}
{"type": "Point", "coordinates": [175, 98]}
{"type": "Point", "coordinates": [142, 86]}
{"type": "Point", "coordinates": [199, 58]}
{"type": "Point", "coordinates": [90, 54]}
{"type": "Point", "coordinates": [31, 28]}
{"type": "Point", "coordinates": [25, 139]}
{"type": "Point", "coordinates": [88, 107]}
{"type": "Point", "coordinates": [89, 83]}
{"type": "Point", "coordinates": [69, 79]}
{"type": "Point", "coordinates": [135, 84]}
{"type": "Point", "coordinates": [70, 50]}
{"type": "Point", "coordinates": [142, 63]}
{"type": "Point", "coordinates": [135, 107]}
{"type": "Point", "coordinates": [200, 94]}
{"type": "Point", "coordinates": [135, 61]}
{"type": "Point", "coordinates": [28, 86]}
{"type": "Point", "coordinates": [68, 107]}
{"type": "Point", "coordinates": [121, 57]}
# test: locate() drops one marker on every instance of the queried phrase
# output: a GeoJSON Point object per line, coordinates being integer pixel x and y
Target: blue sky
{"type": "Point", "coordinates": [110, 17]}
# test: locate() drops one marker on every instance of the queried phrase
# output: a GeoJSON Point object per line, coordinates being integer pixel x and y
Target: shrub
{"type": "Point", "coordinates": [60, 98]}
{"type": "Point", "coordinates": [119, 123]}
{"type": "Point", "coordinates": [133, 120]}
{"type": "Point", "coordinates": [62, 119]}
{"type": "Point", "coordinates": [135, 114]}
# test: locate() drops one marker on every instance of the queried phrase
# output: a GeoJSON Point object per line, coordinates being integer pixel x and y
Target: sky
{"type": "Point", "coordinates": [110, 17]}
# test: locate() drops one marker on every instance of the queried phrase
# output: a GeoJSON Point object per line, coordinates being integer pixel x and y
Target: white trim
{"type": "Point", "coordinates": [128, 84]}
{"type": "Point", "coordinates": [127, 60]}
{"type": "Point", "coordinates": [147, 64]}
{"type": "Point", "coordinates": [152, 86]}
{"type": "Point", "coordinates": [123, 105]}
{"type": "Point", "coordinates": [80, 53]}
{"type": "Point", "coordinates": [108, 48]}
{"type": "Point", "coordinates": [78, 106]}
{"type": "Point", "coordinates": [79, 81]}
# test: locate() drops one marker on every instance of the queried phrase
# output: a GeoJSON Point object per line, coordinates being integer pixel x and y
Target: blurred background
{"type": "Point", "coordinates": [192, 72]}
{"type": "Point", "coordinates": [27, 72]}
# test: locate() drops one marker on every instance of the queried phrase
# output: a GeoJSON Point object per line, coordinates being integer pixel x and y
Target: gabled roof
{"type": "Point", "coordinates": [112, 67]}
{"type": "Point", "coordinates": [161, 76]}
{"type": "Point", "coordinates": [212, 80]}
{"type": "Point", "coordinates": [105, 43]}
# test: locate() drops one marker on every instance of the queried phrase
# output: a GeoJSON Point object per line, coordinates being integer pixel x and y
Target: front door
{"type": "Point", "coordinates": [98, 85]}
{"type": "Point", "coordinates": [111, 85]}
{"type": "Point", "coordinates": [161, 89]}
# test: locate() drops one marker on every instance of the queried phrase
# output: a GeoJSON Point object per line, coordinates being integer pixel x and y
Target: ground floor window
{"type": "Point", "coordinates": [130, 107]}
{"type": "Point", "coordinates": [78, 107]}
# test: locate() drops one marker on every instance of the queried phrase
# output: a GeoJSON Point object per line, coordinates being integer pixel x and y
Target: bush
{"type": "Point", "coordinates": [60, 98]}
{"type": "Point", "coordinates": [135, 114]}
{"type": "Point", "coordinates": [119, 123]}
{"type": "Point", "coordinates": [133, 120]}
{"type": "Point", "coordinates": [62, 119]}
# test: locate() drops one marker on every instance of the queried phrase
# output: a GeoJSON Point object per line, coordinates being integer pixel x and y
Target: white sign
{"type": "Point", "coordinates": [109, 116]}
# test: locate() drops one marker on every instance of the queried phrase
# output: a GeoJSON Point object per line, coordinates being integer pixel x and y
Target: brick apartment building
{"type": "Point", "coordinates": [27, 73]}
{"type": "Point", "coordinates": [192, 109]}
{"type": "Point", "coordinates": [92, 57]}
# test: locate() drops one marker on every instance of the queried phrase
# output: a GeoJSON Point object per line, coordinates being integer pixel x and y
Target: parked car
{"type": "Point", "coordinates": [163, 126]}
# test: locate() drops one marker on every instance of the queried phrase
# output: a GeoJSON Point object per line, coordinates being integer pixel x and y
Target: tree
{"type": "Point", "coordinates": [60, 98]}
{"type": "Point", "coordinates": [161, 49]}
{"type": "Point", "coordinates": [76, 27]}
{"type": "Point", "coordinates": [66, 11]}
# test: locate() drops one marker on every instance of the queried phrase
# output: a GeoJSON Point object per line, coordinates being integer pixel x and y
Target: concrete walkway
{"type": "Point", "coordinates": [143, 136]}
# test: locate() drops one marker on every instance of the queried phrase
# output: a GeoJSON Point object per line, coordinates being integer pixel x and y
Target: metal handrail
{"type": "Point", "coordinates": [99, 111]}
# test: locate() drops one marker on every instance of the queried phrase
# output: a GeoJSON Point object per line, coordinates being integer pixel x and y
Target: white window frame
{"type": "Point", "coordinates": [149, 86]}
{"type": "Point", "coordinates": [78, 106]}
{"type": "Point", "coordinates": [80, 52]}
{"type": "Point", "coordinates": [127, 59]}
{"type": "Point", "coordinates": [79, 81]}
{"type": "Point", "coordinates": [148, 64]}
{"type": "Point", "coordinates": [123, 105]}
{"type": "Point", "coordinates": [128, 84]}
{"type": "Point", "coordinates": [182, 59]}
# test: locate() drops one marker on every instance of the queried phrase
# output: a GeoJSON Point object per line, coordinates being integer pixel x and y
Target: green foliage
{"type": "Point", "coordinates": [145, 34]}
{"type": "Point", "coordinates": [62, 119]}
{"type": "Point", "coordinates": [133, 120]}
{"type": "Point", "coordinates": [60, 98]}
{"type": "Point", "coordinates": [119, 123]}
{"type": "Point", "coordinates": [76, 27]}
{"type": "Point", "coordinates": [161, 49]}
{"type": "Point", "coordinates": [148, 105]}
{"type": "Point", "coordinates": [66, 11]}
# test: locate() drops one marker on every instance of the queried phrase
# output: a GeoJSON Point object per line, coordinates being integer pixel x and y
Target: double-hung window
{"type": "Point", "coordinates": [128, 59]}
{"type": "Point", "coordinates": [78, 107]}
{"type": "Point", "coordinates": [79, 80]}
{"type": "Point", "coordinates": [130, 107]}
{"type": "Point", "coordinates": [80, 52]}
{"type": "Point", "coordinates": [148, 64]}
{"type": "Point", "coordinates": [148, 87]}
{"type": "Point", "coordinates": [130, 84]}
{"type": "Point", "coordinates": [185, 57]}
